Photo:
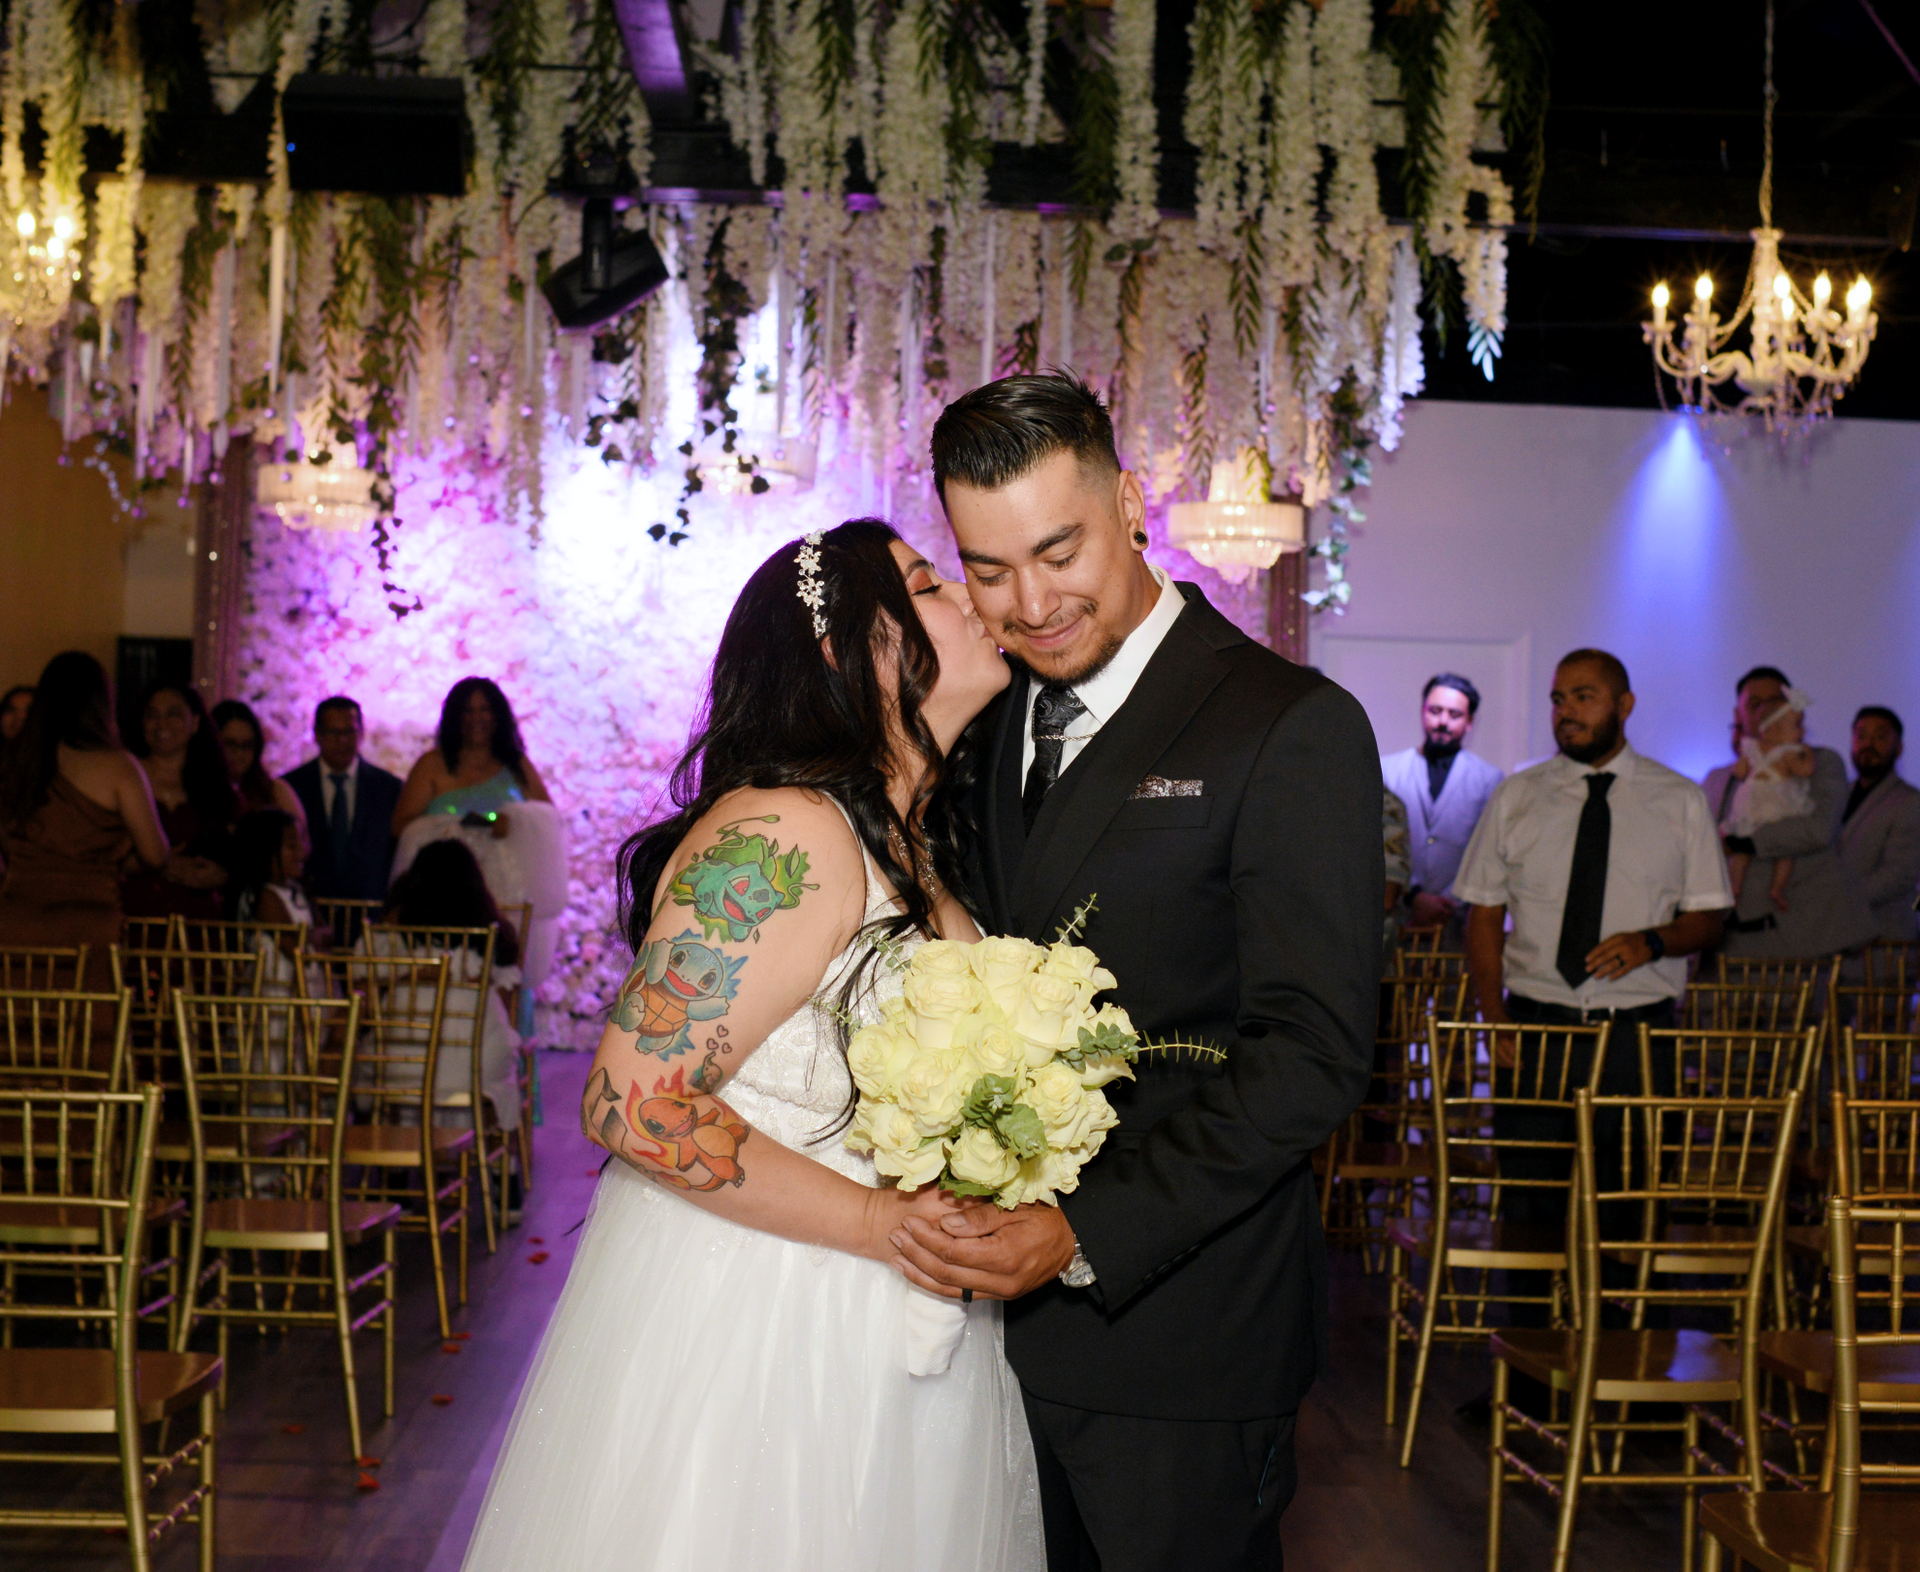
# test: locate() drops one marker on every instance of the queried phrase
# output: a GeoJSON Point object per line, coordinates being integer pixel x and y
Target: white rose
{"type": "Point", "coordinates": [938, 1001]}
{"type": "Point", "coordinates": [1060, 1171]}
{"type": "Point", "coordinates": [940, 958]}
{"type": "Point", "coordinates": [894, 1012]}
{"type": "Point", "coordinates": [1078, 965]}
{"type": "Point", "coordinates": [998, 1051]}
{"type": "Point", "coordinates": [1046, 1003]}
{"type": "Point", "coordinates": [1101, 1118]}
{"type": "Point", "coordinates": [1025, 1187]}
{"type": "Point", "coordinates": [870, 1057]}
{"type": "Point", "coordinates": [1003, 965]}
{"type": "Point", "coordinates": [979, 1158]}
{"type": "Point", "coordinates": [1065, 1109]}
{"type": "Point", "coordinates": [932, 1087]}
{"type": "Point", "coordinates": [915, 1166]}
{"type": "Point", "coordinates": [1108, 1067]}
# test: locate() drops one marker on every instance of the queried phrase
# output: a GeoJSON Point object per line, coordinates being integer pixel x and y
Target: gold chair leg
{"type": "Point", "coordinates": [486, 1187]}
{"type": "Point", "coordinates": [1427, 1318]}
{"type": "Point", "coordinates": [1710, 1557]}
{"type": "Point", "coordinates": [133, 1484]}
{"type": "Point", "coordinates": [226, 1362]}
{"type": "Point", "coordinates": [343, 1322]}
{"type": "Point", "coordinates": [466, 1216]}
{"type": "Point", "coordinates": [1396, 1264]}
{"type": "Point", "coordinates": [1570, 1484]}
{"type": "Point", "coordinates": [1497, 1480]}
{"type": "Point", "coordinates": [1689, 1494]}
{"type": "Point", "coordinates": [390, 1289]}
{"type": "Point", "coordinates": [207, 1485]}
{"type": "Point", "coordinates": [430, 1186]}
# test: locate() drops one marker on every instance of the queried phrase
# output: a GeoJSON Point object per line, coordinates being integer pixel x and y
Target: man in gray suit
{"type": "Point", "coordinates": [1824, 910]}
{"type": "Point", "coordinates": [1445, 788]}
{"type": "Point", "coordinates": [1880, 831]}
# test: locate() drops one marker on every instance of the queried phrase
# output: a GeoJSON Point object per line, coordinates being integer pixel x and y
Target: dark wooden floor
{"type": "Point", "coordinates": [290, 1502]}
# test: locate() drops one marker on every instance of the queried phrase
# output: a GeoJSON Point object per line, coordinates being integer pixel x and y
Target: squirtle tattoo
{"type": "Point", "coordinates": [674, 983]}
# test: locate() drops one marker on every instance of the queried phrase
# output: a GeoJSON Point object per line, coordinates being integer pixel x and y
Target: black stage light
{"type": "Point", "coordinates": [616, 269]}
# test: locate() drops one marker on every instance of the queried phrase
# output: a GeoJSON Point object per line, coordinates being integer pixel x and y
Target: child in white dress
{"type": "Point", "coordinates": [1775, 781]}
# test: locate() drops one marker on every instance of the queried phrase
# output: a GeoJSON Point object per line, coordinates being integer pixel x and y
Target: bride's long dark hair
{"type": "Point", "coordinates": [779, 714]}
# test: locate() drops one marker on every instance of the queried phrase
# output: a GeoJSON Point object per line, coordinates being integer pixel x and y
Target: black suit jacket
{"type": "Point", "coordinates": [362, 873]}
{"type": "Point", "coordinates": [1248, 917]}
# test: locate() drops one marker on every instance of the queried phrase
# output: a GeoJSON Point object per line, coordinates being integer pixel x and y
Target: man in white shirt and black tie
{"type": "Point", "coordinates": [1610, 868]}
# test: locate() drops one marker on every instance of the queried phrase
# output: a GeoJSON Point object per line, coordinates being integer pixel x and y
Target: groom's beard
{"type": "Point", "coordinates": [1083, 670]}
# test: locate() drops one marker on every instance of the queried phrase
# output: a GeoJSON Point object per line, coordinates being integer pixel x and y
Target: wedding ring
{"type": "Point", "coordinates": [966, 1296]}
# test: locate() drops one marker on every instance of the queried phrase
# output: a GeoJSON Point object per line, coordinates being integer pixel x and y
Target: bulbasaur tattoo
{"type": "Point", "coordinates": [674, 984]}
{"type": "Point", "coordinates": [740, 881]}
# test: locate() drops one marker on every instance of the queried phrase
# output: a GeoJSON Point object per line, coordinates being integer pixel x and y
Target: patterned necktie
{"type": "Point", "coordinates": [339, 821]}
{"type": "Point", "coordinates": [1586, 883]}
{"type": "Point", "coordinates": [1054, 709]}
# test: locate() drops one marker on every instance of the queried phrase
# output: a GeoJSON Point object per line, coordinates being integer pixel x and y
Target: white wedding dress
{"type": "Point", "coordinates": [711, 1397]}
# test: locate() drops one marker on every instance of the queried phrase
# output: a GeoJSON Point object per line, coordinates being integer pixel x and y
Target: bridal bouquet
{"type": "Point", "coordinates": [984, 1076]}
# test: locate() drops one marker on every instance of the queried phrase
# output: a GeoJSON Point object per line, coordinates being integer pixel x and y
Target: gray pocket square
{"type": "Point", "coordinates": [1160, 786]}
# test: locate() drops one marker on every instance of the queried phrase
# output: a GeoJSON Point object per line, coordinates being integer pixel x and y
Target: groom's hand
{"type": "Point", "coordinates": [999, 1255]}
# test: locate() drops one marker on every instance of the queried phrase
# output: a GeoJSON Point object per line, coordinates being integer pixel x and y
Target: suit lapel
{"type": "Point", "coordinates": [1183, 671]}
{"type": "Point", "coordinates": [1003, 833]}
{"type": "Point", "coordinates": [1871, 804]}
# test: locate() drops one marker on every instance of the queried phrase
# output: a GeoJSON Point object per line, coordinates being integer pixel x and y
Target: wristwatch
{"type": "Point", "coordinates": [1079, 1272]}
{"type": "Point", "coordinates": [1654, 942]}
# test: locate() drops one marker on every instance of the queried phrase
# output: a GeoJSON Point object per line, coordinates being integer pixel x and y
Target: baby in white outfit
{"type": "Point", "coordinates": [1775, 773]}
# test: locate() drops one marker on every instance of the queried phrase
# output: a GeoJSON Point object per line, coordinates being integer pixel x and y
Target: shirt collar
{"type": "Point", "coordinates": [1619, 766]}
{"type": "Point", "coordinates": [1107, 690]}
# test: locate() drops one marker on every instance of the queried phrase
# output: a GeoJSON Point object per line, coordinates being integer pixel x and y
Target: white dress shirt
{"type": "Point", "coordinates": [1105, 691]}
{"type": "Point", "coordinates": [327, 789]}
{"type": "Point", "coordinates": [1663, 858]}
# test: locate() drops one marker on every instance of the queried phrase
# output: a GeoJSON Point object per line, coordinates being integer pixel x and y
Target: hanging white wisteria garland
{"type": "Point", "coordinates": [1285, 316]}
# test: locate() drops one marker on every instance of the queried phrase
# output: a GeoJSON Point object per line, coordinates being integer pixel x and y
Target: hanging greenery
{"type": "Point", "coordinates": [1283, 316]}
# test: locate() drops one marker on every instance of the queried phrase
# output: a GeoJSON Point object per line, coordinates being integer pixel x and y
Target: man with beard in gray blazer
{"type": "Point", "coordinates": [1824, 911]}
{"type": "Point", "coordinates": [1880, 830]}
{"type": "Point", "coordinates": [1445, 789]}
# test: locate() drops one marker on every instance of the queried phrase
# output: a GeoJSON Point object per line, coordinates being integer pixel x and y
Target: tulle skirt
{"type": "Point", "coordinates": [710, 1396]}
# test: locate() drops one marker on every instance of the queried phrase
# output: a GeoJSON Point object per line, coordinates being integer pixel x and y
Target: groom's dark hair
{"type": "Point", "coordinates": [1002, 430]}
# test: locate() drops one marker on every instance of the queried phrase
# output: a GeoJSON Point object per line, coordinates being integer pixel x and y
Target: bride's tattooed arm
{"type": "Point", "coordinates": [689, 1142]}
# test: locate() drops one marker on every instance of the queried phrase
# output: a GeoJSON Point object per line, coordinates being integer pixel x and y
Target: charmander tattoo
{"type": "Point", "coordinates": [740, 881]}
{"type": "Point", "coordinates": [691, 1142]}
{"type": "Point", "coordinates": [673, 984]}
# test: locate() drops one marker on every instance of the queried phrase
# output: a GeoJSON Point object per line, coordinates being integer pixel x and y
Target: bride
{"type": "Point", "coordinates": [723, 1383]}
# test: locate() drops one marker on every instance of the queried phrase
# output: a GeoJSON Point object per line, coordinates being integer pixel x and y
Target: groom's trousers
{"type": "Point", "coordinates": [1121, 1494]}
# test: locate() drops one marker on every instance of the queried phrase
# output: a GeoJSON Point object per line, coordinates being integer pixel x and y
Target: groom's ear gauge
{"type": "Point", "coordinates": [1139, 537]}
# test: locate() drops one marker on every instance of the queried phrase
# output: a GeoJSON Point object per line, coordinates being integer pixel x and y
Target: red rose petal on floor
{"type": "Point", "coordinates": [441, 1399]}
{"type": "Point", "coordinates": [292, 1430]}
{"type": "Point", "coordinates": [462, 1337]}
{"type": "Point", "coordinates": [368, 1462]}
{"type": "Point", "coordinates": [536, 1239]}
{"type": "Point", "coordinates": [537, 1257]}
{"type": "Point", "coordinates": [449, 1348]}
{"type": "Point", "coordinates": [366, 1482]}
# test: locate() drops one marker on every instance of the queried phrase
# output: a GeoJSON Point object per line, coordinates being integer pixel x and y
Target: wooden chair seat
{"type": "Point", "coordinates": [398, 1146]}
{"type": "Point", "coordinates": [1473, 1242]}
{"type": "Point", "coordinates": [292, 1225]}
{"type": "Point", "coordinates": [1735, 1242]}
{"type": "Point", "coordinates": [74, 1226]}
{"type": "Point", "coordinates": [174, 1144]}
{"type": "Point", "coordinates": [1808, 1240]}
{"type": "Point", "coordinates": [1787, 1530]}
{"type": "Point", "coordinates": [69, 1391]}
{"type": "Point", "coordinates": [1889, 1372]}
{"type": "Point", "coordinates": [1385, 1160]}
{"type": "Point", "coordinates": [1633, 1367]}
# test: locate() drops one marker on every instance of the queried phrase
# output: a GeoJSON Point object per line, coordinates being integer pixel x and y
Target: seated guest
{"type": "Point", "coordinates": [1880, 830]}
{"type": "Point", "coordinates": [269, 850]}
{"type": "Point", "coordinates": [198, 807]}
{"type": "Point", "coordinates": [477, 764]}
{"type": "Point", "coordinates": [1823, 912]}
{"type": "Point", "coordinates": [1393, 837]}
{"type": "Point", "coordinates": [243, 742]}
{"type": "Point", "coordinates": [13, 711]}
{"type": "Point", "coordinates": [444, 889]}
{"type": "Point", "coordinates": [349, 808]}
{"type": "Point", "coordinates": [75, 809]}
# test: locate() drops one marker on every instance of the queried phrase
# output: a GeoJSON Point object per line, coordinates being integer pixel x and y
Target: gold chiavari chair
{"type": "Point", "coordinates": [401, 1155]}
{"type": "Point", "coordinates": [1503, 1172]}
{"type": "Point", "coordinates": [146, 933]}
{"type": "Point", "coordinates": [44, 970]}
{"type": "Point", "coordinates": [1880, 1065]}
{"type": "Point", "coordinates": [1891, 963]}
{"type": "Point", "coordinates": [520, 916]}
{"type": "Point", "coordinates": [276, 1063]}
{"type": "Point", "coordinates": [1727, 1007]}
{"type": "Point", "coordinates": [89, 1198]}
{"type": "Point", "coordinates": [345, 919]}
{"type": "Point", "coordinates": [1381, 1145]}
{"type": "Point", "coordinates": [1775, 974]}
{"type": "Point", "coordinates": [1838, 1528]}
{"type": "Point", "coordinates": [470, 1002]}
{"type": "Point", "coordinates": [1876, 1164]}
{"type": "Point", "coordinates": [1674, 1152]}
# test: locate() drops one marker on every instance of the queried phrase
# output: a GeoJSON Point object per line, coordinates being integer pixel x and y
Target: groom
{"type": "Point", "coordinates": [1223, 805]}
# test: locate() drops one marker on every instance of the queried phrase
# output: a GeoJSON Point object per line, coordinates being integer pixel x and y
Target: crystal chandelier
{"type": "Point", "coordinates": [330, 497]}
{"type": "Point", "coordinates": [1804, 353]}
{"type": "Point", "coordinates": [1238, 528]}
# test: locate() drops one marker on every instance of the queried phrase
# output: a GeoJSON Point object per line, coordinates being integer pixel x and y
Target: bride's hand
{"type": "Point", "coordinates": [888, 1209]}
